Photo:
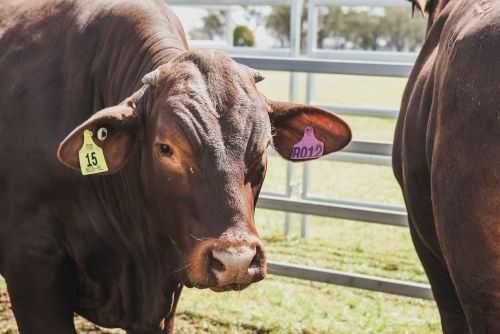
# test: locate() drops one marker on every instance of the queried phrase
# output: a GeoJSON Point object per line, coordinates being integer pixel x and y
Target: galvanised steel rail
{"type": "Point", "coordinates": [346, 62]}
{"type": "Point", "coordinates": [359, 111]}
{"type": "Point", "coordinates": [386, 69]}
{"type": "Point", "coordinates": [353, 280]}
{"type": "Point", "coordinates": [363, 55]}
{"type": "Point", "coordinates": [333, 210]}
{"type": "Point", "coordinates": [388, 216]}
{"type": "Point", "coordinates": [338, 67]}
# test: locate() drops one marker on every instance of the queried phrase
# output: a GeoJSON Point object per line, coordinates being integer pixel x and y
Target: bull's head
{"type": "Point", "coordinates": [199, 130]}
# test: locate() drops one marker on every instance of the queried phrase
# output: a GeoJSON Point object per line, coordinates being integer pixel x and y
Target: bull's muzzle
{"type": "Point", "coordinates": [223, 265]}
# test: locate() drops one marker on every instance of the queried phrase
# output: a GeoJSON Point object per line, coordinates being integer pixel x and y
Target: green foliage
{"type": "Point", "coordinates": [243, 36]}
{"type": "Point", "coordinates": [406, 34]}
{"type": "Point", "coordinates": [278, 24]}
{"type": "Point", "coordinates": [339, 27]}
{"type": "Point", "coordinates": [388, 29]}
{"type": "Point", "coordinates": [213, 26]}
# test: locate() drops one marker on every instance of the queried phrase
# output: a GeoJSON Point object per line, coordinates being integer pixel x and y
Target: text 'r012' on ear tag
{"type": "Point", "coordinates": [308, 147]}
{"type": "Point", "coordinates": [91, 156]}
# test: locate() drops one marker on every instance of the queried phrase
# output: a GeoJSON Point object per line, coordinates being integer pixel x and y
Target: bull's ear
{"type": "Point", "coordinates": [422, 5]}
{"type": "Point", "coordinates": [114, 130]}
{"type": "Point", "coordinates": [303, 132]}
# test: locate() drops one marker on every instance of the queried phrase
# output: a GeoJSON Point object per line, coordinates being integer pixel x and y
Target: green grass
{"type": "Point", "coordinates": [345, 245]}
{"type": "Point", "coordinates": [282, 305]}
{"type": "Point", "coordinates": [354, 181]}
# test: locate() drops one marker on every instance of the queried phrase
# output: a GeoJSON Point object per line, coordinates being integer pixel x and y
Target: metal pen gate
{"type": "Point", "coordinates": [390, 64]}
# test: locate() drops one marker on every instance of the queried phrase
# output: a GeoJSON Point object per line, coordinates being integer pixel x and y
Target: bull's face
{"type": "Point", "coordinates": [202, 129]}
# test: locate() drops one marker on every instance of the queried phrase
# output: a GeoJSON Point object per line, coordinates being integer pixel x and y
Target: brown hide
{"type": "Point", "coordinates": [67, 243]}
{"type": "Point", "coordinates": [447, 160]}
{"type": "Point", "coordinates": [185, 145]}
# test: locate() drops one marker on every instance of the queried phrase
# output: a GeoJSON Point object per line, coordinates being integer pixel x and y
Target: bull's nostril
{"type": "Point", "coordinates": [241, 264]}
{"type": "Point", "coordinates": [214, 263]}
{"type": "Point", "coordinates": [257, 259]}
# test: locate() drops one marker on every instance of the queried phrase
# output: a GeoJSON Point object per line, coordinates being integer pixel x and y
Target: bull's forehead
{"type": "Point", "coordinates": [216, 104]}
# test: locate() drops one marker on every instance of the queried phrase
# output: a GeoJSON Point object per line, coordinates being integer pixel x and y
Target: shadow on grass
{"type": "Point", "coordinates": [194, 317]}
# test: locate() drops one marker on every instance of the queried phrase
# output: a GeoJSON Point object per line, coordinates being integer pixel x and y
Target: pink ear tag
{"type": "Point", "coordinates": [308, 147]}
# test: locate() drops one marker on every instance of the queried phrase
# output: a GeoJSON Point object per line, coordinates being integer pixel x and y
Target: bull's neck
{"type": "Point", "coordinates": [126, 52]}
{"type": "Point", "coordinates": [128, 46]}
{"type": "Point", "coordinates": [111, 211]}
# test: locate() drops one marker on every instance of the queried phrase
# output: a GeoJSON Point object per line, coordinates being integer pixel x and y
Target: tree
{"type": "Point", "coordinates": [363, 29]}
{"type": "Point", "coordinates": [330, 24]}
{"type": "Point", "coordinates": [243, 36]}
{"type": "Point", "coordinates": [278, 24]}
{"type": "Point", "coordinates": [213, 26]}
{"type": "Point", "coordinates": [349, 27]}
{"type": "Point", "coordinates": [400, 33]}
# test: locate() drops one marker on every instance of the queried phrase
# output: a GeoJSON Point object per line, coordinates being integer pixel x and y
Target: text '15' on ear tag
{"type": "Point", "coordinates": [91, 156]}
{"type": "Point", "coordinates": [308, 147]}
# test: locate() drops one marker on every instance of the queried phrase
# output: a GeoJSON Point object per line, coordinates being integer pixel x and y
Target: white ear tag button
{"type": "Point", "coordinates": [91, 156]}
{"type": "Point", "coordinates": [102, 133]}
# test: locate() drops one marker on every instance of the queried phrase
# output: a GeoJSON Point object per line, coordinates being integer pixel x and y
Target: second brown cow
{"type": "Point", "coordinates": [447, 161]}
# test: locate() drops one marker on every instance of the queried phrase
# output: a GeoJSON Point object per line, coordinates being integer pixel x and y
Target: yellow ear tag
{"type": "Point", "coordinates": [91, 156]}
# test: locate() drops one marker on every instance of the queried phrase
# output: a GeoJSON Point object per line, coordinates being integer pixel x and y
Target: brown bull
{"type": "Point", "coordinates": [447, 160]}
{"type": "Point", "coordinates": [171, 142]}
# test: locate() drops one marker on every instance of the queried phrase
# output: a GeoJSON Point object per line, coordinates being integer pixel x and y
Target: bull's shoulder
{"type": "Point", "coordinates": [469, 49]}
{"type": "Point", "coordinates": [471, 24]}
{"type": "Point", "coordinates": [26, 13]}
{"type": "Point", "coordinates": [465, 114]}
{"type": "Point", "coordinates": [144, 16]}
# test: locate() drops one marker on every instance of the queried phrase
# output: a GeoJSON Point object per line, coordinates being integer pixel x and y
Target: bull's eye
{"type": "Point", "coordinates": [102, 133]}
{"type": "Point", "coordinates": [165, 150]}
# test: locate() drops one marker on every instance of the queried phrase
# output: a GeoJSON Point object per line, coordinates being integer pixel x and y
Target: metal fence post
{"type": "Point", "coordinates": [295, 35]}
{"type": "Point", "coordinates": [289, 190]}
{"type": "Point", "coordinates": [304, 231]}
{"type": "Point", "coordinates": [312, 26]}
{"type": "Point", "coordinates": [295, 31]}
{"type": "Point", "coordinates": [229, 26]}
